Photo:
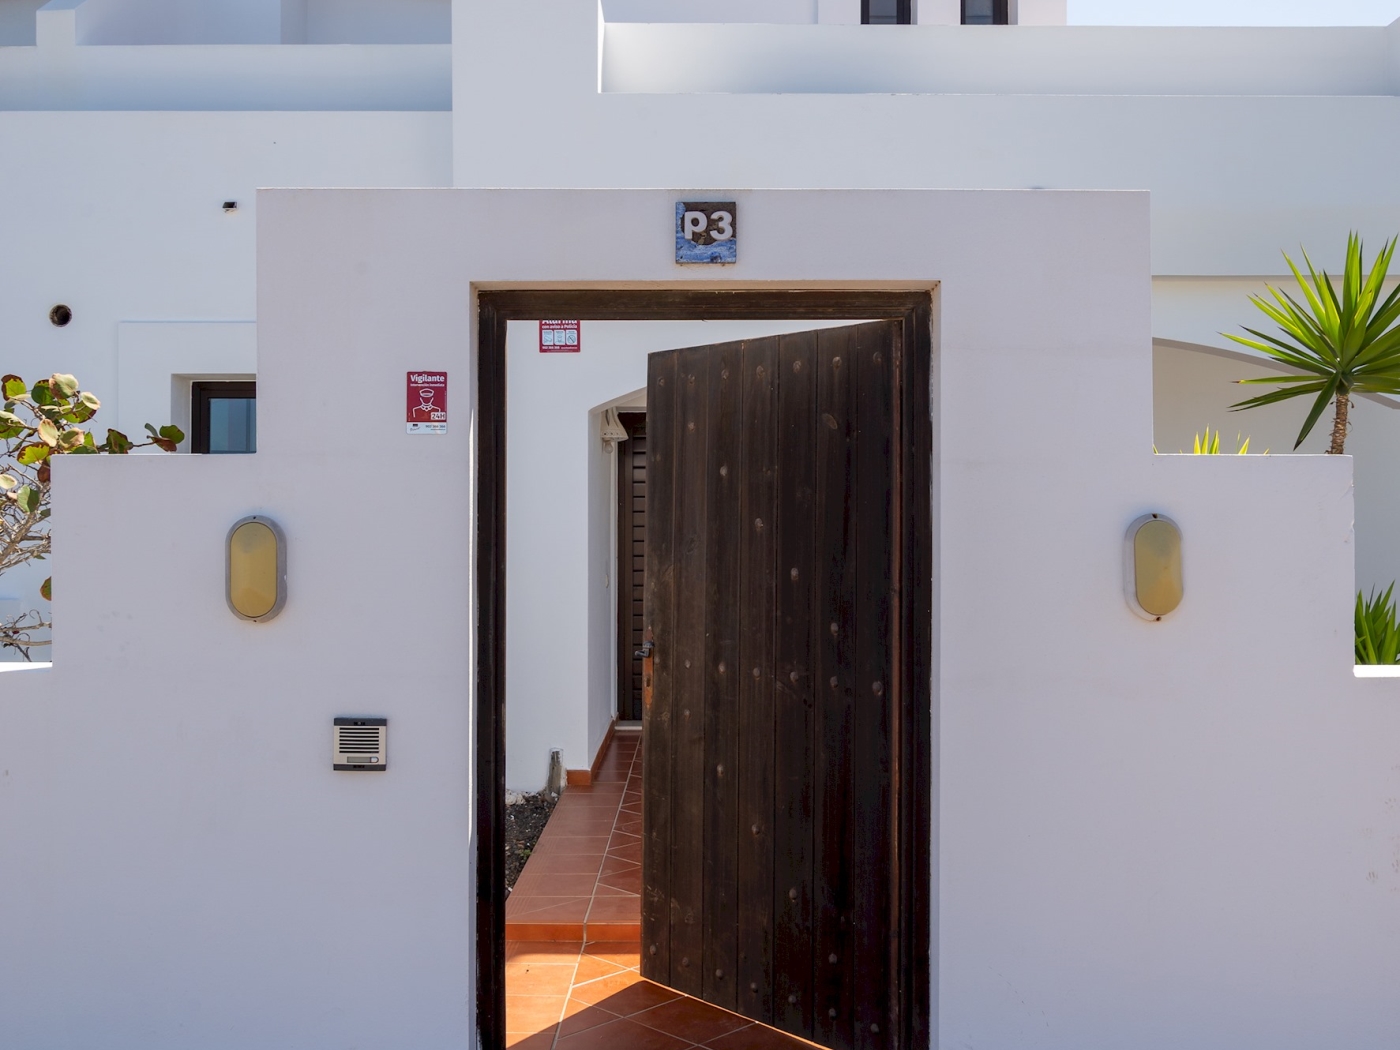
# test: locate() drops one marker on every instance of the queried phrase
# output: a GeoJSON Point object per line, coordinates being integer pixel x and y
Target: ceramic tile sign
{"type": "Point", "coordinates": [559, 337]}
{"type": "Point", "coordinates": [427, 402]}
{"type": "Point", "coordinates": [707, 232]}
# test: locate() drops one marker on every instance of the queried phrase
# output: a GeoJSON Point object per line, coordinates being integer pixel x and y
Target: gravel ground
{"type": "Point", "coordinates": [525, 820]}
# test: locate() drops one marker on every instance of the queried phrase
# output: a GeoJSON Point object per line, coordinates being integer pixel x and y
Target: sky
{"type": "Point", "coordinates": [1233, 12]}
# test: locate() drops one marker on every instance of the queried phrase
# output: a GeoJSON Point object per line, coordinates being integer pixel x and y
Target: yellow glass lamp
{"type": "Point", "coordinates": [1152, 578]}
{"type": "Point", "coordinates": [257, 569]}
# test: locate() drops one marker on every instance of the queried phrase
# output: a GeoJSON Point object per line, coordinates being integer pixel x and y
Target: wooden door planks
{"type": "Point", "coordinates": [915, 661]}
{"type": "Point", "coordinates": [793, 723]}
{"type": "Point", "coordinates": [871, 774]}
{"type": "Point", "coordinates": [833, 637]}
{"type": "Point", "coordinates": [772, 598]}
{"type": "Point", "coordinates": [692, 525]}
{"type": "Point", "coordinates": [662, 378]}
{"type": "Point", "coordinates": [721, 696]}
{"type": "Point", "coordinates": [758, 548]}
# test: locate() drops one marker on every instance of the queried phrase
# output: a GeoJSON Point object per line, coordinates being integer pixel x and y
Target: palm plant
{"type": "Point", "coordinates": [1340, 343]}
{"type": "Point", "coordinates": [1377, 633]}
{"type": "Point", "coordinates": [1210, 444]}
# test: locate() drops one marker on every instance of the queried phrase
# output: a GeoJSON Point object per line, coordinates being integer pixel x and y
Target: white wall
{"type": "Point", "coordinates": [1040, 12]}
{"type": "Point", "coordinates": [106, 22]}
{"type": "Point", "coordinates": [379, 21]}
{"type": "Point", "coordinates": [931, 59]}
{"type": "Point", "coordinates": [696, 11]}
{"type": "Point", "coordinates": [157, 361]}
{"type": "Point", "coordinates": [1195, 389]}
{"type": "Point", "coordinates": [59, 76]}
{"type": "Point", "coordinates": [1148, 835]}
{"type": "Point", "coordinates": [123, 221]}
{"type": "Point", "coordinates": [1216, 209]}
{"type": "Point", "coordinates": [561, 602]}
{"type": "Point", "coordinates": [1195, 370]}
{"type": "Point", "coordinates": [181, 865]}
{"type": "Point", "coordinates": [17, 21]}
{"type": "Point", "coordinates": [176, 21]}
{"type": "Point", "coordinates": [995, 60]}
{"type": "Point", "coordinates": [798, 12]}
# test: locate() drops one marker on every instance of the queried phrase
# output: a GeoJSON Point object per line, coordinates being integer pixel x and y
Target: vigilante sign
{"type": "Point", "coordinates": [427, 402]}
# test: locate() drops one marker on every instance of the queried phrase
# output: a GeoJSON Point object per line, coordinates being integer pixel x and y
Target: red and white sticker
{"type": "Point", "coordinates": [559, 337]}
{"type": "Point", "coordinates": [427, 402]}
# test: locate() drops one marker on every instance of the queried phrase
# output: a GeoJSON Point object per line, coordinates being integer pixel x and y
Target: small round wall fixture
{"type": "Point", "coordinates": [60, 315]}
{"type": "Point", "coordinates": [257, 569]}
{"type": "Point", "coordinates": [1152, 580]}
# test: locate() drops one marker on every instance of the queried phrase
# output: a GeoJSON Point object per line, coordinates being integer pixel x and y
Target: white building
{"type": "Point", "coordinates": [1140, 834]}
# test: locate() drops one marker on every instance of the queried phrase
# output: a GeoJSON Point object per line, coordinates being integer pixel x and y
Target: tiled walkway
{"type": "Point", "coordinates": [562, 996]}
{"type": "Point", "coordinates": [584, 880]}
{"type": "Point", "coordinates": [573, 931]}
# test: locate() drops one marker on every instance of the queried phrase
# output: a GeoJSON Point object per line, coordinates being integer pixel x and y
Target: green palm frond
{"type": "Point", "coordinates": [1344, 340]}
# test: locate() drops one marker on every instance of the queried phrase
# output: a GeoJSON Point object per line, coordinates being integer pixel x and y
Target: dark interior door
{"type": "Point", "coordinates": [631, 562]}
{"type": "Point", "coordinates": [772, 807]}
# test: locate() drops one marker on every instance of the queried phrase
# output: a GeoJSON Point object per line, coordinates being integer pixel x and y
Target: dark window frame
{"type": "Point", "coordinates": [204, 391]}
{"type": "Point", "coordinates": [904, 12]}
{"type": "Point", "coordinates": [1001, 12]}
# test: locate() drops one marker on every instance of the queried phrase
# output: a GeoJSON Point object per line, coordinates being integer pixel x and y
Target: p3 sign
{"type": "Point", "coordinates": [707, 232]}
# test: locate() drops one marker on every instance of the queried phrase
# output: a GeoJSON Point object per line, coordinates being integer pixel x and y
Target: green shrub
{"type": "Point", "coordinates": [1377, 633]}
{"type": "Point", "coordinates": [1210, 445]}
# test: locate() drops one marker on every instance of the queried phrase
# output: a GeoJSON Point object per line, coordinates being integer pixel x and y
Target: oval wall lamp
{"type": "Point", "coordinates": [1152, 566]}
{"type": "Point", "coordinates": [257, 568]}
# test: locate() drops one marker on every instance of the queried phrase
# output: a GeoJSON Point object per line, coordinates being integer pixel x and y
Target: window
{"type": "Point", "coordinates": [223, 417]}
{"type": "Point", "coordinates": [985, 12]}
{"type": "Point", "coordinates": [886, 12]}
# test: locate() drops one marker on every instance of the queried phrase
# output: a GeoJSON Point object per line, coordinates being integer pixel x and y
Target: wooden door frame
{"type": "Point", "coordinates": [914, 578]}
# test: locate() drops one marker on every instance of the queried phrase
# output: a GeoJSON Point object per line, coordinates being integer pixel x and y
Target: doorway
{"type": "Point", "coordinates": [905, 872]}
{"type": "Point", "coordinates": [631, 563]}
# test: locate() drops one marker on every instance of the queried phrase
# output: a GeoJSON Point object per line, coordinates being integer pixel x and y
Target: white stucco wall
{"type": "Point", "coordinates": [123, 218]}
{"type": "Point", "coordinates": [1100, 60]}
{"type": "Point", "coordinates": [1058, 107]}
{"type": "Point", "coordinates": [58, 76]}
{"type": "Point", "coordinates": [1193, 390]}
{"type": "Point", "coordinates": [120, 216]}
{"type": "Point", "coordinates": [799, 12]}
{"type": "Point", "coordinates": [1195, 375]}
{"type": "Point", "coordinates": [1147, 835]}
{"type": "Point", "coordinates": [144, 22]}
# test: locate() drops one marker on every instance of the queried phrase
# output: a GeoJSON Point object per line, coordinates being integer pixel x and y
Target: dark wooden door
{"type": "Point", "coordinates": [631, 562]}
{"type": "Point", "coordinates": [773, 804]}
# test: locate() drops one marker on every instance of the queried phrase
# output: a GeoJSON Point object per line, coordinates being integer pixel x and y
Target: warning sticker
{"type": "Point", "coordinates": [427, 402]}
{"type": "Point", "coordinates": [559, 337]}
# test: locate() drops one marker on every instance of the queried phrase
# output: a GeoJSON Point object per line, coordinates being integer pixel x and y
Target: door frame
{"type": "Point", "coordinates": [914, 579]}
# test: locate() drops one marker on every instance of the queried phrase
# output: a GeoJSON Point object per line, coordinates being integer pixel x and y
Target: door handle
{"type": "Point", "coordinates": [644, 653]}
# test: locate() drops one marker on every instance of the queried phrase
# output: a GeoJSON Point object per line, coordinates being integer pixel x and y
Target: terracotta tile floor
{"type": "Point", "coordinates": [583, 882]}
{"type": "Point", "coordinates": [564, 995]}
{"type": "Point", "coordinates": [573, 931]}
